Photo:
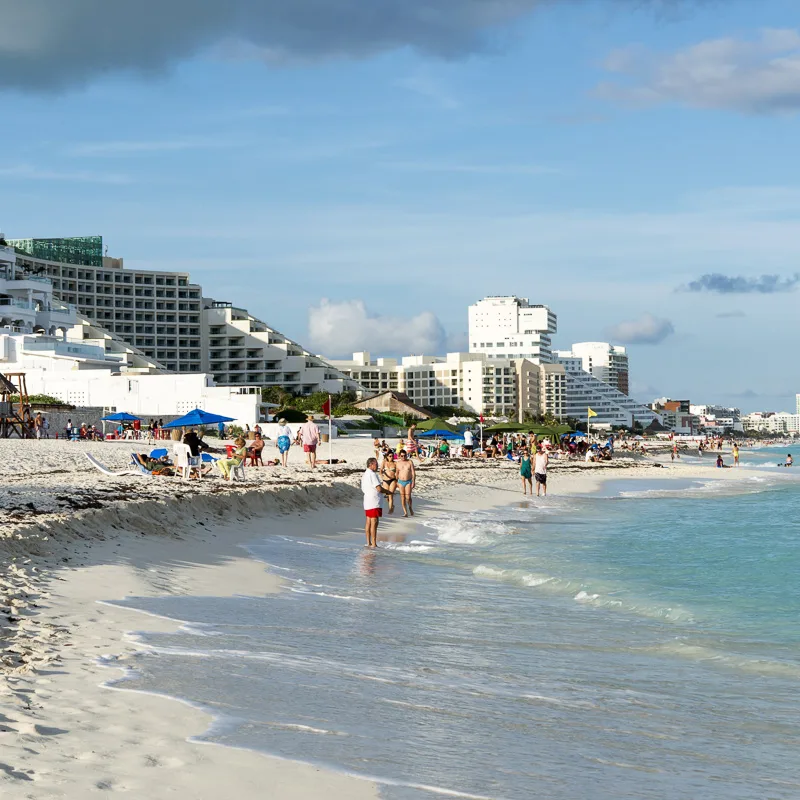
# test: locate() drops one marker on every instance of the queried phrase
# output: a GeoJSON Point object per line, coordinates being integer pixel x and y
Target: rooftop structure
{"type": "Point", "coordinates": [84, 250]}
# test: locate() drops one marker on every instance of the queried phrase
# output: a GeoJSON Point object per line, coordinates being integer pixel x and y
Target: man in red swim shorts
{"type": "Point", "coordinates": [309, 434]}
{"type": "Point", "coordinates": [372, 489]}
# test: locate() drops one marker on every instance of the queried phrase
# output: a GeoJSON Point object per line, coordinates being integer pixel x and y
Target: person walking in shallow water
{"type": "Point", "coordinates": [525, 472]}
{"type": "Point", "coordinates": [540, 470]}
{"type": "Point", "coordinates": [406, 481]}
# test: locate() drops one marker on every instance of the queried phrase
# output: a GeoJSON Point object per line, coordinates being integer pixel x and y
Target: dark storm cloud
{"type": "Point", "coordinates": [52, 44]}
{"type": "Point", "coordinates": [738, 284]}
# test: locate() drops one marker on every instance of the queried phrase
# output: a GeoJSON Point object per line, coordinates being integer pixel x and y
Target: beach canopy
{"type": "Point", "coordinates": [440, 434]}
{"type": "Point", "coordinates": [575, 434]}
{"type": "Point", "coordinates": [508, 427]}
{"type": "Point", "coordinates": [120, 416]}
{"type": "Point", "coordinates": [435, 424]}
{"type": "Point", "coordinates": [197, 418]}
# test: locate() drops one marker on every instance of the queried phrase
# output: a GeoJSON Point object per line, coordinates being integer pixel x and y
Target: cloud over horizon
{"type": "Point", "coordinates": [648, 329]}
{"type": "Point", "coordinates": [758, 76]}
{"type": "Point", "coordinates": [738, 284]}
{"type": "Point", "coordinates": [52, 44]}
{"type": "Point", "coordinates": [339, 329]}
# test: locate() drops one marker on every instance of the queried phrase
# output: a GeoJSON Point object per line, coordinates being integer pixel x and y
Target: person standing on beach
{"type": "Point", "coordinates": [406, 481]}
{"type": "Point", "coordinates": [735, 454]}
{"type": "Point", "coordinates": [540, 470]}
{"type": "Point", "coordinates": [525, 472]}
{"type": "Point", "coordinates": [469, 443]}
{"type": "Point", "coordinates": [309, 434]}
{"type": "Point", "coordinates": [284, 441]}
{"type": "Point", "coordinates": [372, 491]}
{"type": "Point", "coordinates": [389, 478]}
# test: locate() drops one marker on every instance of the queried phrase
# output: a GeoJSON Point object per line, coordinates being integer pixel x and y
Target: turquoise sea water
{"type": "Point", "coordinates": [641, 643]}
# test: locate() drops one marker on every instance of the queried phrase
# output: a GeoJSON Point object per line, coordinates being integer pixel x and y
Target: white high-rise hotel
{"type": "Point", "coordinates": [510, 327]}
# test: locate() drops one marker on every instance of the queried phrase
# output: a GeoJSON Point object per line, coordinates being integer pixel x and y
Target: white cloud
{"type": "Point", "coordinates": [343, 328]}
{"type": "Point", "coordinates": [472, 169]}
{"type": "Point", "coordinates": [759, 76]}
{"type": "Point", "coordinates": [140, 147]}
{"type": "Point", "coordinates": [28, 172]}
{"type": "Point", "coordinates": [645, 330]}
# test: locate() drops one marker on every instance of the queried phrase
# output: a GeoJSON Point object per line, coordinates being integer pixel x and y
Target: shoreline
{"type": "Point", "coordinates": [57, 697]}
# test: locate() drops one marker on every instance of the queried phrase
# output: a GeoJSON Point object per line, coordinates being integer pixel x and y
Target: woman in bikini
{"type": "Point", "coordinates": [389, 478]}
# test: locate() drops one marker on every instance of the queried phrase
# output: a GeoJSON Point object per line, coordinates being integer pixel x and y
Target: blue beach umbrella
{"type": "Point", "coordinates": [120, 416]}
{"type": "Point", "coordinates": [197, 418]}
{"type": "Point", "coordinates": [439, 434]}
{"type": "Point", "coordinates": [159, 452]}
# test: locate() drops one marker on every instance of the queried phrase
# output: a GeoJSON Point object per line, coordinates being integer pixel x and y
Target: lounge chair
{"type": "Point", "coordinates": [106, 471]}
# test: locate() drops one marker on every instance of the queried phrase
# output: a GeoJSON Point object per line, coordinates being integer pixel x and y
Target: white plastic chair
{"type": "Point", "coordinates": [184, 461]}
{"type": "Point", "coordinates": [237, 473]}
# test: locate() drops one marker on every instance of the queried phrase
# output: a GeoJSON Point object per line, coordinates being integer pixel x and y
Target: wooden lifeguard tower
{"type": "Point", "coordinates": [15, 415]}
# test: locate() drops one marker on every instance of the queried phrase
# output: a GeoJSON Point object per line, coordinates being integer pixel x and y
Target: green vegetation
{"type": "Point", "coordinates": [445, 412]}
{"type": "Point", "coordinates": [42, 400]}
{"type": "Point", "coordinates": [306, 404]}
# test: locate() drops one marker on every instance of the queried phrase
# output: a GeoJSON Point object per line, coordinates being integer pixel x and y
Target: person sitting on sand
{"type": "Point", "coordinates": [226, 465]}
{"type": "Point", "coordinates": [389, 478]}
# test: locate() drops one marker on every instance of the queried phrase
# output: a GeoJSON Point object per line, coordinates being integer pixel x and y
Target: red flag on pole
{"type": "Point", "coordinates": [481, 419]}
{"type": "Point", "coordinates": [326, 407]}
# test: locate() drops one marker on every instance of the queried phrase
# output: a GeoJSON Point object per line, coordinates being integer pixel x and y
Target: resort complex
{"type": "Point", "coordinates": [82, 325]}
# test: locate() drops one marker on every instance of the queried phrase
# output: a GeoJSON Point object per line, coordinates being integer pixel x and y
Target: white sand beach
{"type": "Point", "coordinates": [72, 538]}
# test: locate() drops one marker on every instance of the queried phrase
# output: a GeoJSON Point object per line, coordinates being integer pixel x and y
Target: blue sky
{"type": "Point", "coordinates": [599, 157]}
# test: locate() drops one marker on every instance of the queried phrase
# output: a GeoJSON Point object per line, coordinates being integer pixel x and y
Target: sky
{"type": "Point", "coordinates": [357, 173]}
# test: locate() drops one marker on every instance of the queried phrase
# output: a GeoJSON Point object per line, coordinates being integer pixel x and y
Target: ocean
{"type": "Point", "coordinates": [642, 642]}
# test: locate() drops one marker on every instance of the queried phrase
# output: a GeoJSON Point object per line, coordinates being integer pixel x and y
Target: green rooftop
{"type": "Point", "coordinates": [85, 250]}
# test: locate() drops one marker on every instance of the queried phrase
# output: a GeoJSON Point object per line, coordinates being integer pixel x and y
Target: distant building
{"type": "Point", "coordinates": [607, 362]}
{"type": "Point", "coordinates": [720, 418]}
{"type": "Point", "coordinates": [90, 373]}
{"type": "Point", "coordinates": [613, 408]}
{"type": "Point", "coordinates": [26, 301]}
{"type": "Point", "coordinates": [509, 327]}
{"type": "Point", "coordinates": [780, 423]}
{"type": "Point", "coordinates": [676, 415]}
{"type": "Point", "coordinates": [468, 380]}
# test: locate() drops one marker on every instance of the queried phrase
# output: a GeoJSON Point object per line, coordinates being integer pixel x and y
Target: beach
{"type": "Point", "coordinates": [76, 544]}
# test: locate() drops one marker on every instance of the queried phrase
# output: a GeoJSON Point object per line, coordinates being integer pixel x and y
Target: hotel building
{"type": "Point", "coordinates": [164, 316]}
{"type": "Point", "coordinates": [473, 381]}
{"type": "Point", "coordinates": [510, 327]}
{"type": "Point", "coordinates": [607, 362]}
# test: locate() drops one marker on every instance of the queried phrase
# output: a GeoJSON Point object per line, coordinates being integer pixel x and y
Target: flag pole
{"type": "Point", "coordinates": [588, 425]}
{"type": "Point", "coordinates": [330, 431]}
